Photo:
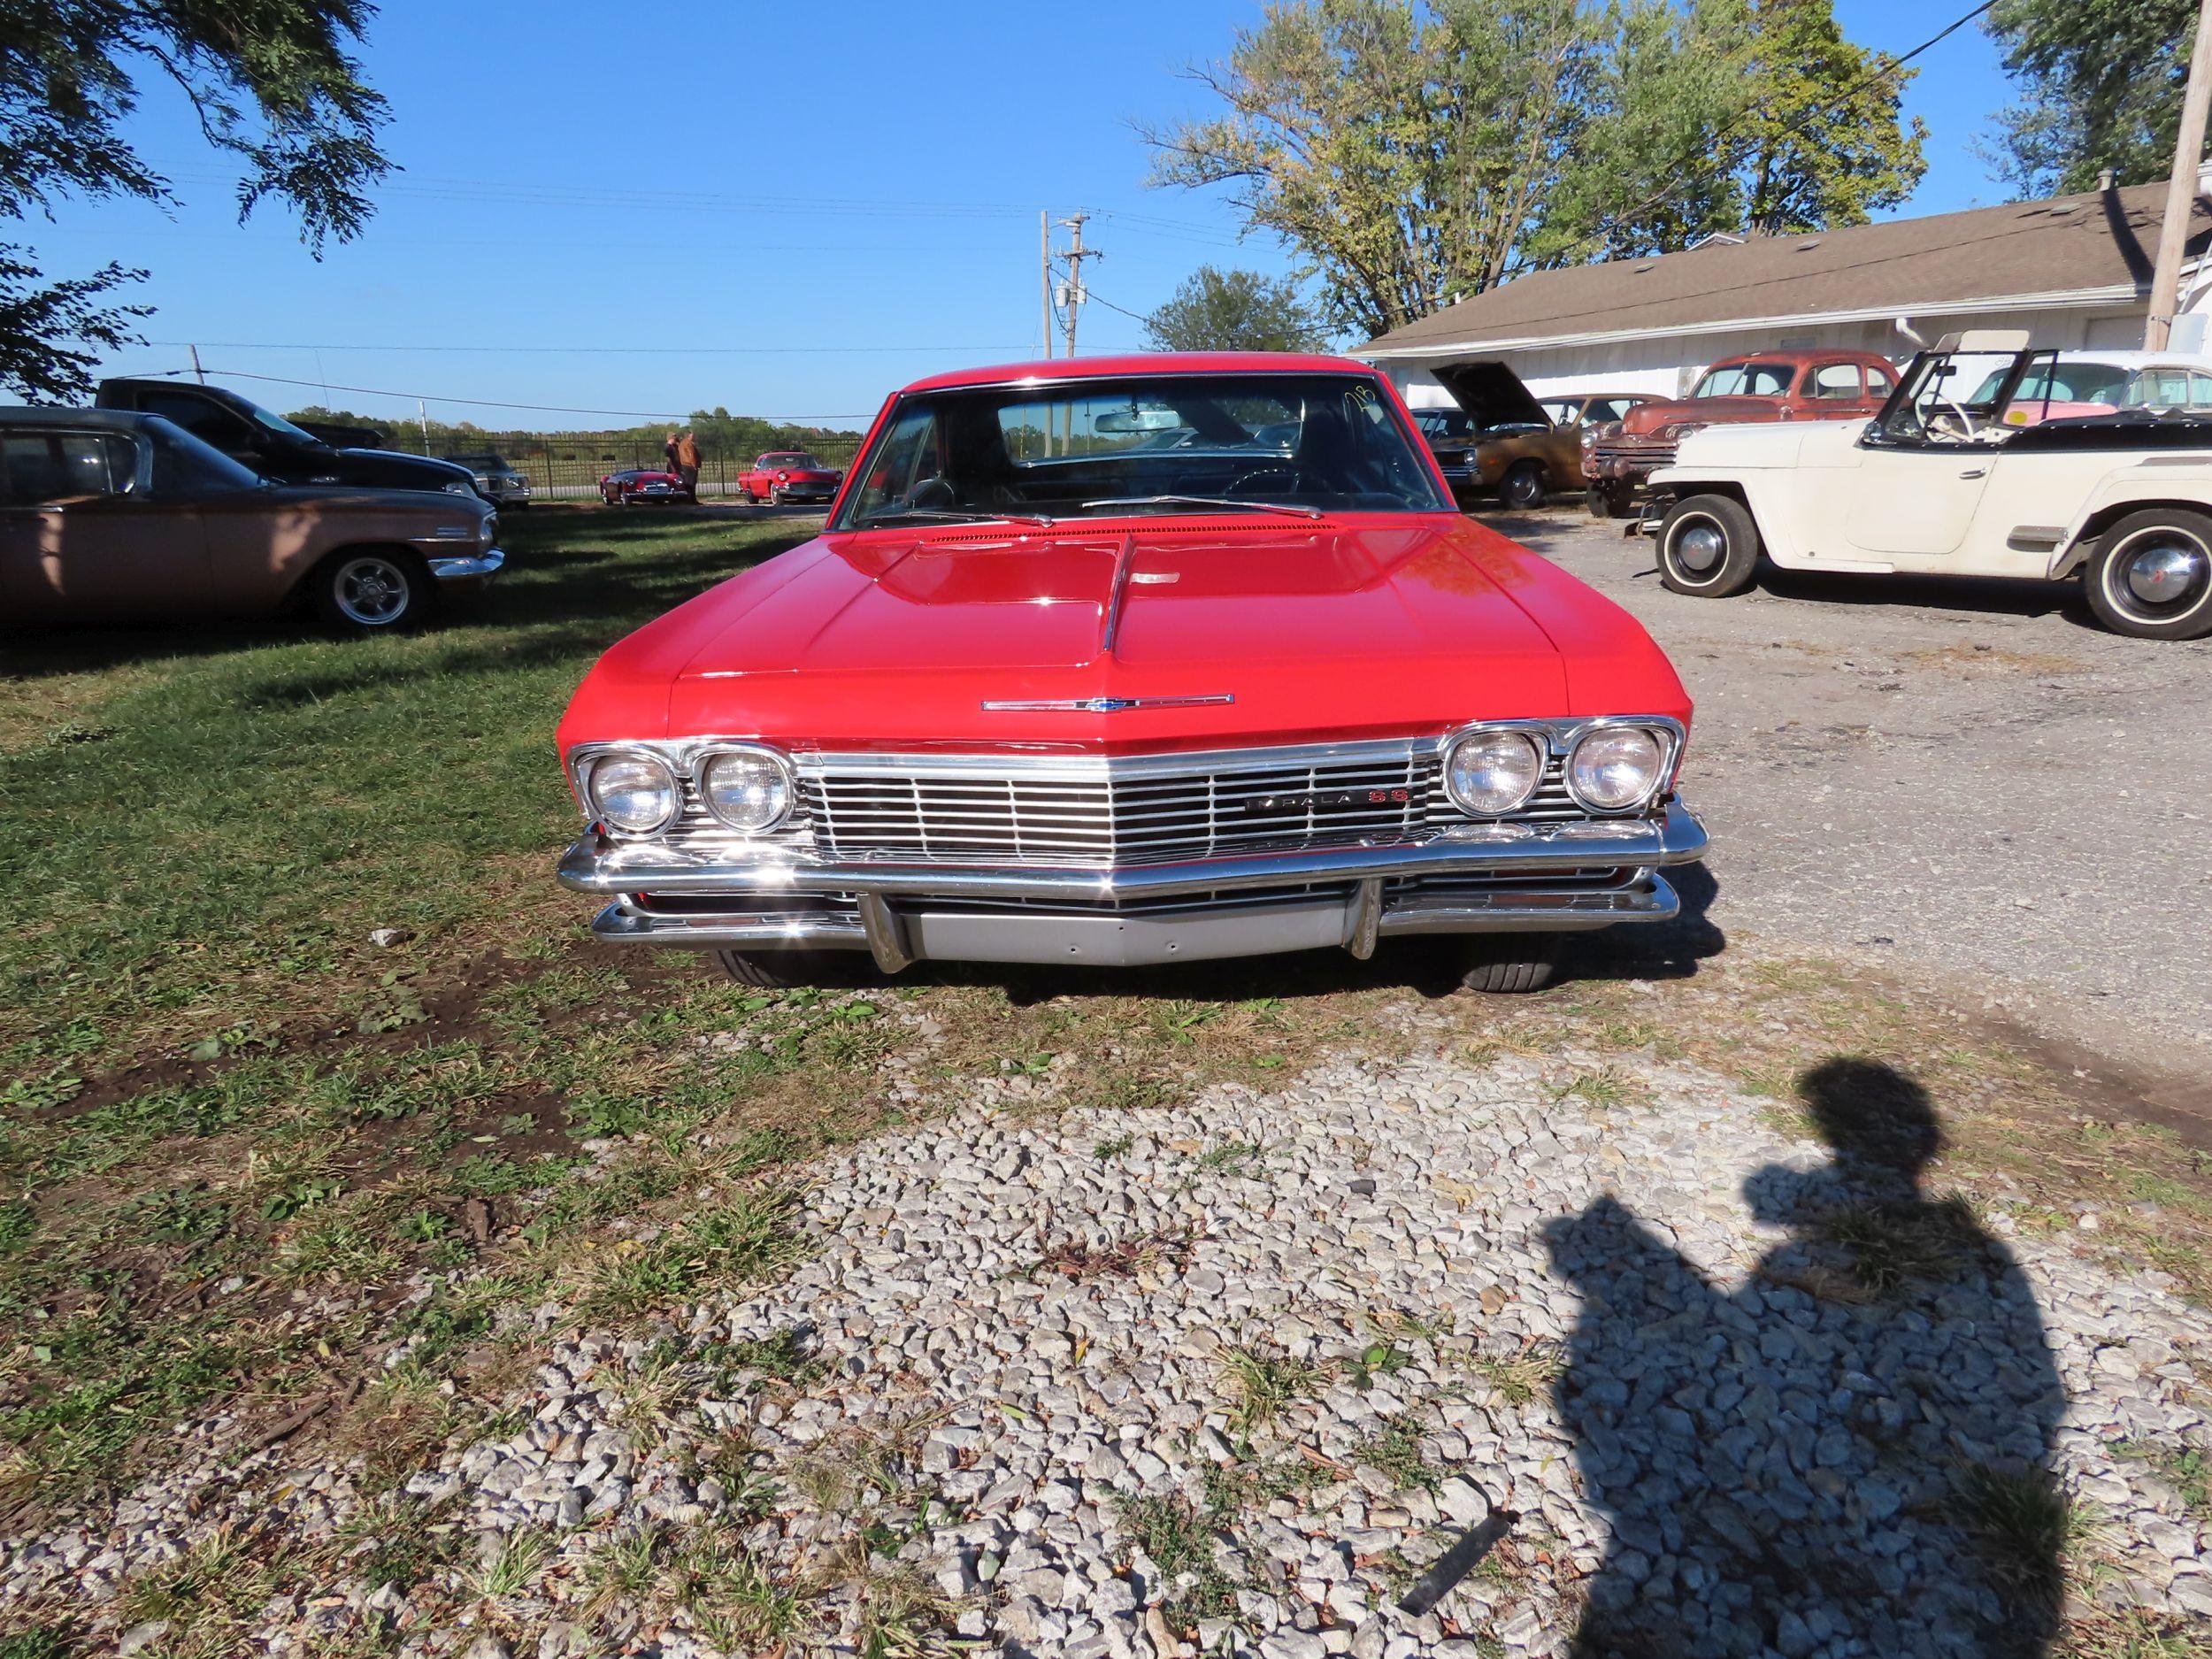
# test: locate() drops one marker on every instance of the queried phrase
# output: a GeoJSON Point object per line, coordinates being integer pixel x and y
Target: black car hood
{"type": "Point", "coordinates": [1492, 394]}
{"type": "Point", "coordinates": [382, 457]}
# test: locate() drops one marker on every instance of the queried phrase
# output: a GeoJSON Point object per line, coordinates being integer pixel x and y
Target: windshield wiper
{"type": "Point", "coordinates": [947, 515]}
{"type": "Point", "coordinates": [1244, 501]}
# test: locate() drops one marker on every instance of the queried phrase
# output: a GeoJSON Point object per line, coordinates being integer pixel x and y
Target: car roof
{"type": "Point", "coordinates": [1147, 363]}
{"type": "Point", "coordinates": [37, 415]}
{"type": "Point", "coordinates": [2139, 359]}
{"type": "Point", "coordinates": [1800, 356]}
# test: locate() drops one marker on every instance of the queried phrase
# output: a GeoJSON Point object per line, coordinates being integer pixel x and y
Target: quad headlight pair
{"type": "Point", "coordinates": [1491, 770]}
{"type": "Point", "coordinates": [636, 792]}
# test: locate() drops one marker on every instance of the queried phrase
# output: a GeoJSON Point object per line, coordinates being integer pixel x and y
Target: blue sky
{"type": "Point", "coordinates": [786, 210]}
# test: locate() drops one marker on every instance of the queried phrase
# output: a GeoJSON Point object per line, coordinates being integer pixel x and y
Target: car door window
{"type": "Point", "coordinates": [1836, 380]}
{"type": "Point", "coordinates": [2200, 391]}
{"type": "Point", "coordinates": [908, 458]}
{"type": "Point", "coordinates": [1879, 381]}
{"type": "Point", "coordinates": [41, 468]}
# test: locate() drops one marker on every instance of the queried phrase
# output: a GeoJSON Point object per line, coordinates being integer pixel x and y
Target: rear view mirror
{"type": "Point", "coordinates": [1119, 421]}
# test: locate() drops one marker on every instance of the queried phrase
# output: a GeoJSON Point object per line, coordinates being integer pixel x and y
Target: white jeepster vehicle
{"type": "Point", "coordinates": [1959, 475]}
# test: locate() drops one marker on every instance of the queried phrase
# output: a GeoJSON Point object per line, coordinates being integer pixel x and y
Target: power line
{"type": "Point", "coordinates": [282, 345]}
{"type": "Point", "coordinates": [481, 402]}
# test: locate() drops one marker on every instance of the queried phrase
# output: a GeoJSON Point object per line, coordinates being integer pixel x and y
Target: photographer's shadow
{"type": "Point", "coordinates": [1849, 1454]}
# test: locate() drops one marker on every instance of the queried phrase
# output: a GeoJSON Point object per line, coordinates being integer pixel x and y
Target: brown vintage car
{"type": "Point", "coordinates": [1760, 386]}
{"type": "Point", "coordinates": [109, 514]}
{"type": "Point", "coordinates": [1499, 441]}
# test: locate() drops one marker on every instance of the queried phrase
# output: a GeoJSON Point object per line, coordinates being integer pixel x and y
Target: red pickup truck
{"type": "Point", "coordinates": [1760, 386]}
{"type": "Point", "coordinates": [783, 475]}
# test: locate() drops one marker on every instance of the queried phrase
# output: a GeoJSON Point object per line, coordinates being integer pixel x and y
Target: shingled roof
{"type": "Point", "coordinates": [2087, 249]}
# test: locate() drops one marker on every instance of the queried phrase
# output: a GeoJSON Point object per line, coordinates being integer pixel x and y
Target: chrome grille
{"type": "Point", "coordinates": [1100, 816]}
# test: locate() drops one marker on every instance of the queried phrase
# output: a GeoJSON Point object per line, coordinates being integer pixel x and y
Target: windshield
{"type": "Point", "coordinates": [187, 465]}
{"type": "Point", "coordinates": [1293, 443]}
{"type": "Point", "coordinates": [2058, 382]}
{"type": "Point", "coordinates": [1443, 423]}
{"type": "Point", "coordinates": [1948, 397]}
{"type": "Point", "coordinates": [480, 463]}
{"type": "Point", "coordinates": [277, 423]}
{"type": "Point", "coordinates": [801, 461]}
{"type": "Point", "coordinates": [1745, 379]}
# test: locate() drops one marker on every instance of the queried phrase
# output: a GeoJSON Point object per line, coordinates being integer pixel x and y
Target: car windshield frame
{"type": "Point", "coordinates": [1218, 464]}
{"type": "Point", "coordinates": [1921, 399]}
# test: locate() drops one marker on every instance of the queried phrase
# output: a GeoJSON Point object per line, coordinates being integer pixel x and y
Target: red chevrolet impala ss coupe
{"type": "Point", "coordinates": [1132, 660]}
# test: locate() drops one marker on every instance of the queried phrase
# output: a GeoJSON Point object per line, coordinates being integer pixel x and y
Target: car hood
{"type": "Point", "coordinates": [1648, 418]}
{"type": "Point", "coordinates": [400, 459]}
{"type": "Point", "coordinates": [1492, 394]}
{"type": "Point", "coordinates": [1219, 634]}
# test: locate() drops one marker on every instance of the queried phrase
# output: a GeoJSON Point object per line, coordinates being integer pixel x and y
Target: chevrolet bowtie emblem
{"type": "Point", "coordinates": [1103, 705]}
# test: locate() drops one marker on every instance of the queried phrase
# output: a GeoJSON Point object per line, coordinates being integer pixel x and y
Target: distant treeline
{"type": "Point", "coordinates": [719, 432]}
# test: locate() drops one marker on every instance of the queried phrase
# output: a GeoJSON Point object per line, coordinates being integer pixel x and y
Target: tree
{"type": "Point", "coordinates": [1417, 151]}
{"type": "Point", "coordinates": [1236, 310]}
{"type": "Point", "coordinates": [271, 86]}
{"type": "Point", "coordinates": [2101, 86]}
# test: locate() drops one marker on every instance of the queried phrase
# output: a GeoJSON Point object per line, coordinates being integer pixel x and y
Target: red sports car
{"type": "Point", "coordinates": [783, 475]}
{"type": "Point", "coordinates": [1046, 691]}
{"type": "Point", "coordinates": [643, 483]}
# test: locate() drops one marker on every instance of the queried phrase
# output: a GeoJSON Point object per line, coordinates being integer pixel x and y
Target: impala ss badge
{"type": "Point", "coordinates": [1322, 801]}
{"type": "Point", "coordinates": [1105, 705]}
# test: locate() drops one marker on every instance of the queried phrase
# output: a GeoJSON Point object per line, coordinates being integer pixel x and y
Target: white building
{"type": "Point", "coordinates": [2074, 271]}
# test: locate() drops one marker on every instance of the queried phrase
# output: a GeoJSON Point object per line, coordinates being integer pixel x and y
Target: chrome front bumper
{"type": "Point", "coordinates": [1572, 876]}
{"type": "Point", "coordinates": [474, 567]}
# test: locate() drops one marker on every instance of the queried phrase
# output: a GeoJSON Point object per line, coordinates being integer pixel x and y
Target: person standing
{"type": "Point", "coordinates": [668, 451]}
{"type": "Point", "coordinates": [688, 462]}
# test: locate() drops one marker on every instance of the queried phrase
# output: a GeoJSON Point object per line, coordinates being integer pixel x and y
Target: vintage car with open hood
{"type": "Point", "coordinates": [1497, 440]}
{"type": "Point", "coordinates": [1132, 660]}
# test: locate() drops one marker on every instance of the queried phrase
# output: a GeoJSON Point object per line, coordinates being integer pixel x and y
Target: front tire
{"type": "Point", "coordinates": [1509, 964]}
{"type": "Point", "coordinates": [2151, 575]}
{"type": "Point", "coordinates": [1610, 500]}
{"type": "Point", "coordinates": [1708, 547]}
{"type": "Point", "coordinates": [370, 590]}
{"type": "Point", "coordinates": [775, 498]}
{"type": "Point", "coordinates": [1523, 487]}
{"type": "Point", "coordinates": [788, 970]}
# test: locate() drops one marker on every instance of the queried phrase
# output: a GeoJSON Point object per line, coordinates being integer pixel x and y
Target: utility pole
{"type": "Point", "coordinates": [423, 415]}
{"type": "Point", "coordinates": [2181, 190]}
{"type": "Point", "coordinates": [196, 369]}
{"type": "Point", "coordinates": [1044, 275]}
{"type": "Point", "coordinates": [1073, 293]}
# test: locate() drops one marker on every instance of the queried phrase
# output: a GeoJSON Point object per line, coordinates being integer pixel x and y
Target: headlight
{"type": "Point", "coordinates": [1615, 767]}
{"type": "Point", "coordinates": [1490, 773]}
{"type": "Point", "coordinates": [748, 790]}
{"type": "Point", "coordinates": [636, 794]}
{"type": "Point", "coordinates": [454, 486]}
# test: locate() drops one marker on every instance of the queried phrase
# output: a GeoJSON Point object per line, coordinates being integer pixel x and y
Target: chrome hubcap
{"type": "Point", "coordinates": [1699, 547]}
{"type": "Point", "coordinates": [372, 592]}
{"type": "Point", "coordinates": [2164, 568]}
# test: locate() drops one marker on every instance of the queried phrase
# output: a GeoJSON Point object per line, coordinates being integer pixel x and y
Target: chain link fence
{"type": "Point", "coordinates": [568, 466]}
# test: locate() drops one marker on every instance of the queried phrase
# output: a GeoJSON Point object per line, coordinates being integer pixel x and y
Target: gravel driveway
{"type": "Point", "coordinates": [1965, 782]}
{"type": "Point", "coordinates": [1251, 1370]}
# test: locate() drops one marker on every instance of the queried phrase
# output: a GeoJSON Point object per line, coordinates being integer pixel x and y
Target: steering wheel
{"type": "Point", "coordinates": [1295, 478]}
{"type": "Point", "coordinates": [1959, 415]}
{"type": "Point", "coordinates": [933, 495]}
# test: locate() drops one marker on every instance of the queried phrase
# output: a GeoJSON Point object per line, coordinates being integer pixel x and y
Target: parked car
{"type": "Point", "coordinates": [1085, 702]}
{"type": "Point", "coordinates": [106, 514]}
{"type": "Point", "coordinates": [2061, 384]}
{"type": "Point", "coordinates": [783, 475]}
{"type": "Point", "coordinates": [1939, 483]}
{"type": "Point", "coordinates": [495, 482]}
{"type": "Point", "coordinates": [643, 483]}
{"type": "Point", "coordinates": [1589, 409]}
{"type": "Point", "coordinates": [272, 446]}
{"type": "Point", "coordinates": [1497, 441]}
{"type": "Point", "coordinates": [1763, 387]}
